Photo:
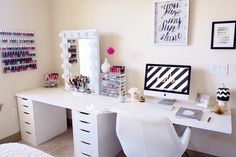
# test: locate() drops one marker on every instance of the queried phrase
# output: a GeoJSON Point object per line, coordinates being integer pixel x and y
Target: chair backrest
{"type": "Point", "coordinates": [145, 135]}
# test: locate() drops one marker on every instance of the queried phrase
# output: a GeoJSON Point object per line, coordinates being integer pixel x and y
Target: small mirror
{"type": "Point", "coordinates": [81, 56]}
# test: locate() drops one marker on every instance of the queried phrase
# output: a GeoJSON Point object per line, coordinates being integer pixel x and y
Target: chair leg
{"type": "Point", "coordinates": [186, 154]}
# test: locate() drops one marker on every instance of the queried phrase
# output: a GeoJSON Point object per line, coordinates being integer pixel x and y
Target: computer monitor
{"type": "Point", "coordinates": [171, 82]}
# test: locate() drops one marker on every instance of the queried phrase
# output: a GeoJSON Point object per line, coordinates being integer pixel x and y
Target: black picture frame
{"type": "Point", "coordinates": [231, 36]}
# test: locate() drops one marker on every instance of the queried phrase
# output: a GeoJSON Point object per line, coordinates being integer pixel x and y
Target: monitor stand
{"type": "Point", "coordinates": [169, 102]}
{"type": "Point", "coordinates": [165, 104]}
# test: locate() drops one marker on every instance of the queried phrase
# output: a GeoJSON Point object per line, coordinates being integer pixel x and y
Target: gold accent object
{"type": "Point", "coordinates": [141, 99]}
{"type": "Point", "coordinates": [219, 109]}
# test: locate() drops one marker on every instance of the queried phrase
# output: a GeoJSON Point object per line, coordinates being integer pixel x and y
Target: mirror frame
{"type": "Point", "coordinates": [95, 69]}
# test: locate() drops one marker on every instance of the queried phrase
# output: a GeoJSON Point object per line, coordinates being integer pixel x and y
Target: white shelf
{"type": "Point", "coordinates": [11, 58]}
{"type": "Point", "coordinates": [22, 64]}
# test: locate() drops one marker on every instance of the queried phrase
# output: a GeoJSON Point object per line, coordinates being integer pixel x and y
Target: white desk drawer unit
{"type": "Point", "coordinates": [94, 134]}
{"type": "Point", "coordinates": [25, 109]}
{"type": "Point", "coordinates": [50, 121]}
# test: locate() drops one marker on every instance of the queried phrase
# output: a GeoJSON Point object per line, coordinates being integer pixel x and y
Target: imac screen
{"type": "Point", "coordinates": [167, 78]}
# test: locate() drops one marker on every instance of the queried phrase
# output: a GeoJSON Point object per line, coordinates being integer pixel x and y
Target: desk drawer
{"type": "Point", "coordinates": [24, 101]}
{"type": "Point", "coordinates": [25, 108]}
{"type": "Point", "coordinates": [28, 136]}
{"type": "Point", "coordinates": [85, 155]}
{"type": "Point", "coordinates": [85, 117]}
{"type": "Point", "coordinates": [86, 136]}
{"type": "Point", "coordinates": [86, 149]}
{"type": "Point", "coordinates": [27, 126]}
{"type": "Point", "coordinates": [25, 105]}
{"type": "Point", "coordinates": [26, 116]}
{"type": "Point", "coordinates": [86, 125]}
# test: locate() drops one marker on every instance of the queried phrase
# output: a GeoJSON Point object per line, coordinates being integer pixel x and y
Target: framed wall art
{"type": "Point", "coordinates": [223, 35]}
{"type": "Point", "coordinates": [171, 22]}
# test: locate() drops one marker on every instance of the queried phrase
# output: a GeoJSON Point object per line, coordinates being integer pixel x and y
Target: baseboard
{"type": "Point", "coordinates": [13, 138]}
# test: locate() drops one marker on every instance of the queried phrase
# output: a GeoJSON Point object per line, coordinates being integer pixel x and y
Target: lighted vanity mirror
{"type": "Point", "coordinates": [80, 54]}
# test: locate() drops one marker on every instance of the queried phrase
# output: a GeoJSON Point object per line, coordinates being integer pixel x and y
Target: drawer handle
{"type": "Point", "coordinates": [84, 122]}
{"type": "Point", "coordinates": [28, 132]}
{"type": "Point", "coordinates": [27, 123]}
{"type": "Point", "coordinates": [85, 113]}
{"type": "Point", "coordinates": [26, 112]}
{"type": "Point", "coordinates": [24, 99]}
{"type": "Point", "coordinates": [25, 106]}
{"type": "Point", "coordinates": [86, 143]}
{"type": "Point", "coordinates": [85, 130]}
{"type": "Point", "coordinates": [86, 154]}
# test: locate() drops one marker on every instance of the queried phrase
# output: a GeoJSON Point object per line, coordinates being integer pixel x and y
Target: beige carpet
{"type": "Point", "coordinates": [62, 146]}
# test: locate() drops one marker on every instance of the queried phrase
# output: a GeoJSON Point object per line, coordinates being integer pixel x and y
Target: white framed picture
{"type": "Point", "coordinates": [223, 35]}
{"type": "Point", "coordinates": [171, 22]}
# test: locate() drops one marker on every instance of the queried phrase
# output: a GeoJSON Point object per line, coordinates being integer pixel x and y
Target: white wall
{"type": "Point", "coordinates": [64, 16]}
{"type": "Point", "coordinates": [128, 26]}
{"type": "Point", "coordinates": [31, 15]}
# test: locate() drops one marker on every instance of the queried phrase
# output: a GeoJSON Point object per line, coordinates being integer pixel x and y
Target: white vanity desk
{"type": "Point", "coordinates": [94, 118]}
{"type": "Point", "coordinates": [42, 116]}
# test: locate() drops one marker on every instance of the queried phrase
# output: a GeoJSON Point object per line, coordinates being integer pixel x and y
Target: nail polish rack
{"type": "Point", "coordinates": [17, 51]}
{"type": "Point", "coordinates": [72, 49]}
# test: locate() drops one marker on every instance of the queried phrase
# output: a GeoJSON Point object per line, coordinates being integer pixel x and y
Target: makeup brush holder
{"type": "Point", "coordinates": [80, 84]}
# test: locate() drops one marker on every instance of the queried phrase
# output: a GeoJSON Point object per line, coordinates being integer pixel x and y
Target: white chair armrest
{"type": "Point", "coordinates": [186, 137]}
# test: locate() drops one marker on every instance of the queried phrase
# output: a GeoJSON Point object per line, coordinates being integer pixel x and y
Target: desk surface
{"type": "Point", "coordinates": [218, 123]}
{"type": "Point", "coordinates": [102, 104]}
{"type": "Point", "coordinates": [71, 100]}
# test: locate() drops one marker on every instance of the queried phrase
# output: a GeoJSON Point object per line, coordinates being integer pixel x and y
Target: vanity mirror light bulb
{"type": "Point", "coordinates": [65, 61]}
{"type": "Point", "coordinates": [61, 45]}
{"type": "Point", "coordinates": [63, 76]}
{"type": "Point", "coordinates": [60, 34]}
{"type": "Point", "coordinates": [63, 66]}
{"type": "Point", "coordinates": [63, 54]}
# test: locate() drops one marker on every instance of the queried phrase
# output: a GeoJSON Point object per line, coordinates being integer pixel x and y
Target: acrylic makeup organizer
{"type": "Point", "coordinates": [17, 51]}
{"type": "Point", "coordinates": [113, 84]}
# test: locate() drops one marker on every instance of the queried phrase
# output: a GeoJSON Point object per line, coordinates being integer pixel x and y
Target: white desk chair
{"type": "Point", "coordinates": [143, 135]}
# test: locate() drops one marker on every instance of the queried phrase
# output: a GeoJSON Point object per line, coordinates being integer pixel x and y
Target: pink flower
{"type": "Point", "coordinates": [110, 50]}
